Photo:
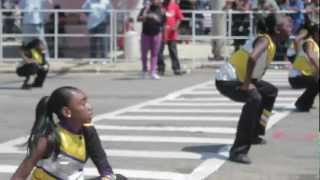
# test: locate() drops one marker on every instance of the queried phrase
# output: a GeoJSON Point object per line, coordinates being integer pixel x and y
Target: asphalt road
{"type": "Point", "coordinates": [168, 129]}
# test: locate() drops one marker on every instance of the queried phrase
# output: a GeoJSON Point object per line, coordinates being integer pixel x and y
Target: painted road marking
{"type": "Point", "coordinates": [179, 100]}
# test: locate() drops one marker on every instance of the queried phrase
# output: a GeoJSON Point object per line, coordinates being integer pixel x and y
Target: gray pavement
{"type": "Point", "coordinates": [291, 153]}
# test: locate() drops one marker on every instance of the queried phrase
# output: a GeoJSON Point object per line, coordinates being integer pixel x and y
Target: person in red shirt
{"type": "Point", "coordinates": [170, 35]}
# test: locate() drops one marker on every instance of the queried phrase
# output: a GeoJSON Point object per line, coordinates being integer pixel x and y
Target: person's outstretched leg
{"type": "Point", "coordinates": [306, 100]}
{"type": "Point", "coordinates": [246, 127]}
{"type": "Point", "coordinates": [161, 65]}
{"type": "Point", "coordinates": [41, 76]}
{"type": "Point", "coordinates": [269, 94]}
{"type": "Point", "coordinates": [145, 46]}
{"type": "Point", "coordinates": [173, 52]}
{"type": "Point", "coordinates": [155, 46]}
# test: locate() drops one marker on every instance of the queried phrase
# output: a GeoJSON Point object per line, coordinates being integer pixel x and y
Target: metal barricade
{"type": "Point", "coordinates": [117, 18]}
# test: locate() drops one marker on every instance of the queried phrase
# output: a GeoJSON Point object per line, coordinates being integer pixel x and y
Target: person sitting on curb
{"type": "Point", "coordinates": [33, 62]}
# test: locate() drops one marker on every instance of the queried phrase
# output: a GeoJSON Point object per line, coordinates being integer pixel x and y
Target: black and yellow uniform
{"type": "Point", "coordinates": [69, 162]}
{"type": "Point", "coordinates": [303, 75]}
{"type": "Point", "coordinates": [43, 68]}
{"type": "Point", "coordinates": [38, 67]}
{"type": "Point", "coordinates": [258, 102]}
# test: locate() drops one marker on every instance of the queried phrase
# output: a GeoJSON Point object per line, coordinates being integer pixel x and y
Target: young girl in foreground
{"type": "Point", "coordinates": [59, 150]}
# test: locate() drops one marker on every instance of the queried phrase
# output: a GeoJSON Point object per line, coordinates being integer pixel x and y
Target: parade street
{"type": "Point", "coordinates": [178, 127]}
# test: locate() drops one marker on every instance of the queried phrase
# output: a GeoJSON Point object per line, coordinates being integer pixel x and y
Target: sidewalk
{"type": "Point", "coordinates": [292, 152]}
{"type": "Point", "coordinates": [83, 66]}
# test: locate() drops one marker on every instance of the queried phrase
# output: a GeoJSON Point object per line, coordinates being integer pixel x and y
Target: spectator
{"type": "Point", "coordinates": [8, 17]}
{"type": "Point", "coordinates": [263, 5]}
{"type": "Point", "coordinates": [34, 62]}
{"type": "Point", "coordinates": [298, 18]}
{"type": "Point", "coordinates": [186, 22]}
{"type": "Point", "coordinates": [153, 18]}
{"type": "Point", "coordinates": [241, 22]}
{"type": "Point", "coordinates": [61, 30]}
{"type": "Point", "coordinates": [240, 79]}
{"type": "Point", "coordinates": [312, 16]}
{"type": "Point", "coordinates": [98, 20]}
{"type": "Point", "coordinates": [59, 150]}
{"type": "Point", "coordinates": [34, 20]}
{"type": "Point", "coordinates": [173, 19]}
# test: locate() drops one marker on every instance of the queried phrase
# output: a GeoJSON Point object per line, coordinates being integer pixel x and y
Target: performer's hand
{"type": "Point", "coordinates": [246, 87]}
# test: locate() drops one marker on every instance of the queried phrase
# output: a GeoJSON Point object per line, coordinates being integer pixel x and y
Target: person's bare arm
{"type": "Point", "coordinates": [242, 6]}
{"type": "Point", "coordinates": [297, 40]}
{"type": "Point", "coordinates": [24, 57]}
{"type": "Point", "coordinates": [260, 46]}
{"type": "Point", "coordinates": [28, 163]}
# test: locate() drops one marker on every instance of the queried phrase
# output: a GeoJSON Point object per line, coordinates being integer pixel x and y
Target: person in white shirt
{"type": "Point", "coordinates": [33, 20]}
{"type": "Point", "coordinates": [98, 20]}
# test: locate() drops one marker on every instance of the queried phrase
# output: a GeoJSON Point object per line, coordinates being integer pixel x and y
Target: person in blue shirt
{"type": "Point", "coordinates": [98, 20]}
{"type": "Point", "coordinates": [298, 17]}
{"type": "Point", "coordinates": [33, 20]}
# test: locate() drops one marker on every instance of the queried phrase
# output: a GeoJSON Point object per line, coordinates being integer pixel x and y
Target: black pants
{"type": "Point", "coordinates": [172, 46]}
{"type": "Point", "coordinates": [311, 83]}
{"type": "Point", "coordinates": [98, 44]}
{"type": "Point", "coordinates": [40, 78]}
{"type": "Point", "coordinates": [263, 97]}
{"type": "Point", "coordinates": [30, 69]}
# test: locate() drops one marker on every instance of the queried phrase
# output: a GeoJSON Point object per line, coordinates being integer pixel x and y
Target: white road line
{"type": "Point", "coordinates": [276, 117]}
{"type": "Point", "coordinates": [285, 92]}
{"type": "Point", "coordinates": [174, 118]}
{"type": "Point", "coordinates": [142, 174]}
{"type": "Point", "coordinates": [140, 154]}
{"type": "Point", "coordinates": [154, 101]}
{"type": "Point", "coordinates": [222, 99]}
{"type": "Point", "coordinates": [211, 111]}
{"type": "Point", "coordinates": [161, 175]}
{"type": "Point", "coordinates": [159, 154]}
{"type": "Point", "coordinates": [208, 104]}
{"type": "Point", "coordinates": [165, 139]}
{"type": "Point", "coordinates": [209, 166]}
{"type": "Point", "coordinates": [218, 130]}
{"type": "Point", "coordinates": [16, 141]}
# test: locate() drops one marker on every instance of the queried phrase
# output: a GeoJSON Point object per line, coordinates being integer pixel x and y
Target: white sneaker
{"type": "Point", "coordinates": [155, 76]}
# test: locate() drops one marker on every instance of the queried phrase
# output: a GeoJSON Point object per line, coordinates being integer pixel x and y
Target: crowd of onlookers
{"type": "Point", "coordinates": [240, 22]}
{"type": "Point", "coordinates": [27, 18]}
{"type": "Point", "coordinates": [303, 13]}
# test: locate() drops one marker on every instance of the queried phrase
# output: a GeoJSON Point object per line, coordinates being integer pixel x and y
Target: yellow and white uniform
{"type": "Point", "coordinates": [236, 67]}
{"type": "Point", "coordinates": [301, 64]}
{"type": "Point", "coordinates": [69, 163]}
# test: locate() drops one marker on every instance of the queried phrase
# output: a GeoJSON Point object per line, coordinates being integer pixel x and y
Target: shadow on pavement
{"type": "Point", "coordinates": [209, 151]}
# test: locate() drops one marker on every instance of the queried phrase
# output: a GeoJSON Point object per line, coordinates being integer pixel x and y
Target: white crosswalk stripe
{"type": "Point", "coordinates": [201, 103]}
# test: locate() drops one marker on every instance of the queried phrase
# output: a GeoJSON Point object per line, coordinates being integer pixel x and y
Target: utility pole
{"type": "Point", "coordinates": [218, 29]}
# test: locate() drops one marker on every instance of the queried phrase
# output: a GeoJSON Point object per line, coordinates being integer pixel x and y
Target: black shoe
{"type": "Point", "coordinates": [258, 141]}
{"type": "Point", "coordinates": [26, 86]}
{"type": "Point", "coordinates": [161, 73]}
{"type": "Point", "coordinates": [37, 85]}
{"type": "Point", "coordinates": [301, 109]}
{"type": "Point", "coordinates": [179, 72]}
{"type": "Point", "coordinates": [240, 158]}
